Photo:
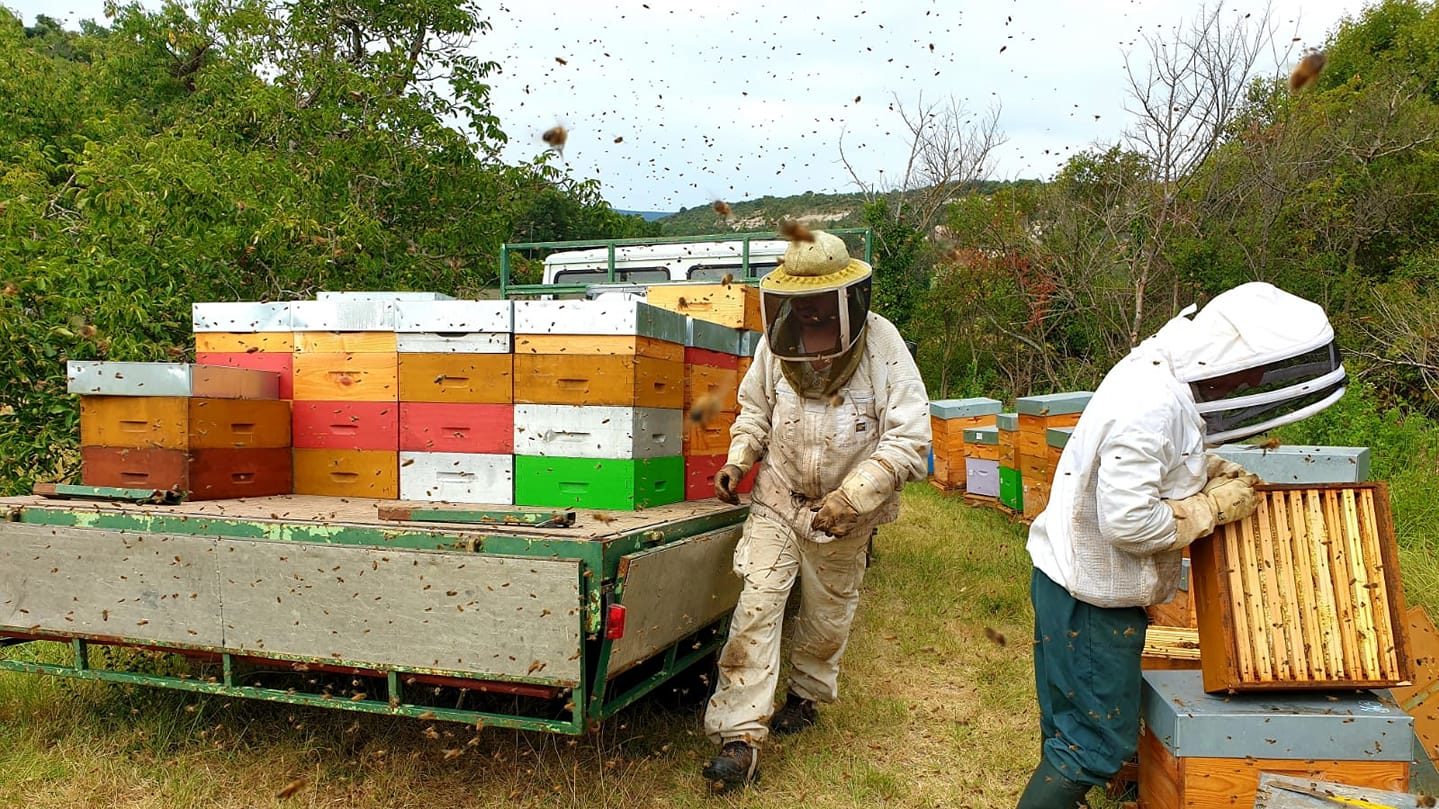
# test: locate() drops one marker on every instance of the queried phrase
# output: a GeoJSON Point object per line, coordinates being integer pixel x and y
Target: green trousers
{"type": "Point", "coordinates": [1087, 678]}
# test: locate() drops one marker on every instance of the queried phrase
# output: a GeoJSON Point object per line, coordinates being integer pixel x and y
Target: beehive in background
{"type": "Point", "coordinates": [622, 359]}
{"type": "Point", "coordinates": [1011, 486]}
{"type": "Point", "coordinates": [748, 344]}
{"type": "Point", "coordinates": [1036, 416]}
{"type": "Point", "coordinates": [256, 336]}
{"type": "Point", "coordinates": [211, 431]}
{"type": "Point", "coordinates": [455, 372]}
{"type": "Point", "coordinates": [948, 421]}
{"type": "Point", "coordinates": [732, 305]}
{"type": "Point", "coordinates": [346, 397]}
{"type": "Point", "coordinates": [712, 357]}
{"type": "Point", "coordinates": [1304, 593]}
{"type": "Point", "coordinates": [981, 463]}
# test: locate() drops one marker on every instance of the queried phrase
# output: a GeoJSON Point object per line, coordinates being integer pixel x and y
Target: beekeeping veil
{"type": "Point", "coordinates": [1256, 358]}
{"type": "Point", "coordinates": [815, 303]}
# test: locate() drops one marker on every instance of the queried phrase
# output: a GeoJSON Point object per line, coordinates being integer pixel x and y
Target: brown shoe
{"type": "Point", "coordinates": [737, 765]}
{"type": "Point", "coordinates": [797, 714]}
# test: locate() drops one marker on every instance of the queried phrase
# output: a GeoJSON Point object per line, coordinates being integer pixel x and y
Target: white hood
{"type": "Point", "coordinates": [1250, 325]}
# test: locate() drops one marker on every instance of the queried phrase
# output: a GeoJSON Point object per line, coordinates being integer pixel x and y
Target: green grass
{"type": "Point", "coordinates": [931, 713]}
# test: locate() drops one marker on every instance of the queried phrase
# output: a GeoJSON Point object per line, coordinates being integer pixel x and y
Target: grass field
{"type": "Point", "coordinates": [932, 713]}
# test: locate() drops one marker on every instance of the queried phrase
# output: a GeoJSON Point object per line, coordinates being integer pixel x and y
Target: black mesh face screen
{"type": "Point", "coordinates": [1224, 421]}
{"type": "Point", "coordinates": [1271, 377]}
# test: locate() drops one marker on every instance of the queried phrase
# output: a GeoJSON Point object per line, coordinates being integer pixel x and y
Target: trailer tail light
{"type": "Point", "coordinates": [615, 622]}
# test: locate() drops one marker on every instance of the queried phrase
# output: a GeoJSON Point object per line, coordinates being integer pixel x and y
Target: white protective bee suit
{"type": "Point", "coordinates": [1134, 487]}
{"type": "Point", "coordinates": [865, 440]}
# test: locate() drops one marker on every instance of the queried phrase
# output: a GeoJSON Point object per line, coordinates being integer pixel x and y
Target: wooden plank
{"type": "Point", "coordinates": [298, 510]}
{"type": "Point", "coordinates": [1393, 580]}
{"type": "Point", "coordinates": [1363, 597]}
{"type": "Point", "coordinates": [1343, 598]}
{"type": "Point", "coordinates": [1327, 606]}
{"type": "Point", "coordinates": [1233, 578]}
{"type": "Point", "coordinates": [674, 591]}
{"type": "Point", "coordinates": [1384, 621]}
{"type": "Point", "coordinates": [1289, 602]}
{"type": "Point", "coordinates": [1258, 618]}
{"type": "Point", "coordinates": [341, 342]}
{"type": "Point", "coordinates": [1289, 506]}
{"type": "Point", "coordinates": [487, 615]}
{"type": "Point", "coordinates": [138, 587]}
{"type": "Point", "coordinates": [220, 342]}
{"type": "Point", "coordinates": [1268, 597]}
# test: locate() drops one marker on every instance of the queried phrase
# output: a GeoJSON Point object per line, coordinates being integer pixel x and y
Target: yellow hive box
{"type": "Point", "coordinates": [457, 378]}
{"type": "Point", "coordinates": [732, 305]}
{"type": "Point", "coordinates": [346, 377]}
{"type": "Point", "coordinates": [216, 342]}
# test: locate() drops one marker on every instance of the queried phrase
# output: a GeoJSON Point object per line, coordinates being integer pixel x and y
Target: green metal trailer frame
{"type": "Point", "coordinates": [686, 546]}
{"type": "Point", "coordinates": [508, 290]}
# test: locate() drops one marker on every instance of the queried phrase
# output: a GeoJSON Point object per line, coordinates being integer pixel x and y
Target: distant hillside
{"type": "Point", "coordinates": [648, 216]}
{"type": "Point", "coordinates": [826, 210]}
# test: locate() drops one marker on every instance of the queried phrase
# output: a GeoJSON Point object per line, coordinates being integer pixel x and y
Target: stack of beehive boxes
{"type": "Point", "coordinates": [949, 419]}
{"type": "Point", "coordinates": [257, 336]}
{"type": "Point", "coordinates": [1037, 414]}
{"type": "Point", "coordinates": [212, 431]}
{"type": "Point", "coordinates": [456, 410]}
{"type": "Point", "coordinates": [346, 398]}
{"type": "Point", "coordinates": [1011, 486]}
{"type": "Point", "coordinates": [599, 398]}
{"type": "Point", "coordinates": [981, 462]}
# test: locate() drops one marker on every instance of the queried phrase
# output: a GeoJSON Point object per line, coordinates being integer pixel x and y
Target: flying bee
{"type": "Point", "coordinates": [795, 231]}
{"type": "Point", "coordinates": [722, 208]}
{"type": "Point", "coordinates": [1307, 71]}
{"type": "Point", "coordinates": [555, 137]}
{"type": "Point", "coordinates": [706, 407]}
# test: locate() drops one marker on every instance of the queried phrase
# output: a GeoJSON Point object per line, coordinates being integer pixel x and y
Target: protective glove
{"type": "Point", "coordinates": [863, 492]}
{"type": "Point", "coordinates": [1199, 514]}
{"type": "Point", "coordinates": [727, 483]}
{"type": "Point", "coordinates": [1218, 470]}
{"type": "Point", "coordinates": [835, 515]}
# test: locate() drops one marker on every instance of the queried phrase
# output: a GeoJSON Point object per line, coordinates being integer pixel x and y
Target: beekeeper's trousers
{"type": "Point", "coordinates": [768, 558]}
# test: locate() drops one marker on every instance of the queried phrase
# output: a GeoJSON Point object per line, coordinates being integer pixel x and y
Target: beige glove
{"type": "Point", "coordinates": [1218, 470]}
{"type": "Point", "coordinates": [1225, 502]}
{"type": "Point", "coordinates": [835, 515]}
{"type": "Point", "coordinates": [727, 483]}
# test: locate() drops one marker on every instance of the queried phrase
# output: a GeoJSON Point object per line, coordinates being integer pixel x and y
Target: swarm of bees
{"type": "Point", "coordinates": [1306, 73]}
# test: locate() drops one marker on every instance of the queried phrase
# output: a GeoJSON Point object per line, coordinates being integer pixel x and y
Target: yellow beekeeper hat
{"type": "Point", "coordinates": [816, 261]}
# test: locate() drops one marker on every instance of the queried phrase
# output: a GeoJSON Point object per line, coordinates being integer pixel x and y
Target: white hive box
{"type": "Point", "coordinates": [457, 477]}
{"type": "Point", "coordinates": [454, 327]}
{"type": "Point", "coordinates": [601, 317]}
{"type": "Point", "coordinates": [91, 378]}
{"type": "Point", "coordinates": [343, 315]}
{"type": "Point", "coordinates": [382, 296]}
{"type": "Point", "coordinates": [573, 431]}
{"type": "Point", "coordinates": [241, 318]}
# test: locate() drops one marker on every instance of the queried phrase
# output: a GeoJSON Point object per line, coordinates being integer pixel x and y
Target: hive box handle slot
{"type": "Point", "coordinates": [344, 477]}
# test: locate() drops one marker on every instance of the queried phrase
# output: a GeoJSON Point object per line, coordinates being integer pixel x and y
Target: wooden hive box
{"type": "Point", "coordinates": [949, 419]}
{"type": "Point", "coordinates": [1420, 699]}
{"type": "Point", "coordinates": [613, 353]}
{"type": "Point", "coordinates": [1170, 647]}
{"type": "Point", "coordinates": [733, 305]}
{"type": "Point", "coordinates": [1305, 593]}
{"type": "Point", "coordinates": [1201, 751]}
{"type": "Point", "coordinates": [700, 471]}
{"type": "Point", "coordinates": [709, 437]}
{"type": "Point", "coordinates": [602, 483]}
{"type": "Point", "coordinates": [487, 429]}
{"type": "Point", "coordinates": [588, 431]}
{"type": "Point", "coordinates": [457, 477]}
{"type": "Point", "coordinates": [1008, 426]}
{"type": "Point", "coordinates": [712, 355]}
{"type": "Point", "coordinates": [172, 422]}
{"type": "Point", "coordinates": [347, 473]}
{"type": "Point", "coordinates": [217, 473]}
{"type": "Point", "coordinates": [1300, 463]}
{"type": "Point", "coordinates": [1036, 414]}
{"type": "Point", "coordinates": [347, 425]}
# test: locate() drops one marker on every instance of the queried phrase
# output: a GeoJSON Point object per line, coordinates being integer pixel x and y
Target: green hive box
{"type": "Point", "coordinates": [1011, 489]}
{"type": "Point", "coordinates": [601, 483]}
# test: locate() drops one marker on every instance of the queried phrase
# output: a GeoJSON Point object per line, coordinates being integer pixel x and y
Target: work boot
{"type": "Point", "coordinates": [737, 765]}
{"type": "Point", "coordinates": [1049, 789]}
{"type": "Point", "coordinates": [797, 714]}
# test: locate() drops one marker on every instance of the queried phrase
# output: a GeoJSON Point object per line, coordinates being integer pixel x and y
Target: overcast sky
{"type": "Point", "coordinates": [672, 104]}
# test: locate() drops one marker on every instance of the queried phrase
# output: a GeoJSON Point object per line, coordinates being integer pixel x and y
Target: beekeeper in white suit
{"type": "Point", "coordinates": [1133, 487]}
{"type": "Point", "coordinates": [835, 406]}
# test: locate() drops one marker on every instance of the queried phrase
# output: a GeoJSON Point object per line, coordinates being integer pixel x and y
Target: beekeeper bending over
{"type": "Point", "coordinates": [835, 406]}
{"type": "Point", "coordinates": [1134, 487]}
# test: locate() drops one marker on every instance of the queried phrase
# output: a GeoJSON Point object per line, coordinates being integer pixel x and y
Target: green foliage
{"type": "Point", "coordinates": [241, 151]}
